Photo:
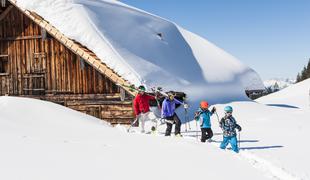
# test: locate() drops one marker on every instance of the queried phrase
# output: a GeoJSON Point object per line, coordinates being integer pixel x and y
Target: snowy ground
{"type": "Point", "coordinates": [41, 140]}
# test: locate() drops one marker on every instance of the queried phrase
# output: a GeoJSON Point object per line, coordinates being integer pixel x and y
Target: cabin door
{"type": "Point", "coordinates": [35, 78]}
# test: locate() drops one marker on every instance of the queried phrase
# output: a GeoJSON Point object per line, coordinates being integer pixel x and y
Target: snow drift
{"type": "Point", "coordinates": [42, 140]}
{"type": "Point", "coordinates": [147, 49]}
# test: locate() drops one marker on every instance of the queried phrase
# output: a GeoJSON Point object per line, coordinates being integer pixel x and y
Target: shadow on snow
{"type": "Point", "coordinates": [260, 147]}
{"type": "Point", "coordinates": [283, 105]}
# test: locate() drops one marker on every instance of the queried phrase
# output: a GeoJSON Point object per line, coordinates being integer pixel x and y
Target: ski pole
{"type": "Point", "coordinates": [185, 126]}
{"type": "Point", "coordinates": [196, 130]}
{"type": "Point", "coordinates": [132, 124]}
{"type": "Point", "coordinates": [239, 139]}
{"type": "Point", "coordinates": [185, 105]}
{"type": "Point", "coordinates": [185, 117]}
{"type": "Point", "coordinates": [218, 119]}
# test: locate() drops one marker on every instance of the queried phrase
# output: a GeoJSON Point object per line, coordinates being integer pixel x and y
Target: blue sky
{"type": "Point", "coordinates": [271, 36]}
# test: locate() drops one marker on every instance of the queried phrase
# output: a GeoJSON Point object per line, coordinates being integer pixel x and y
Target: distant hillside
{"type": "Point", "coordinates": [296, 95]}
{"type": "Point", "coordinates": [276, 84]}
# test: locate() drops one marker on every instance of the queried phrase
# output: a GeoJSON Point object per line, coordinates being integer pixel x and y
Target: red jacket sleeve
{"type": "Point", "coordinates": [151, 97]}
{"type": "Point", "coordinates": [136, 106]}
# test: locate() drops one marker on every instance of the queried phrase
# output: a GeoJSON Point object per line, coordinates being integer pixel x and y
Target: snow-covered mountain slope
{"type": "Point", "coordinates": [144, 48]}
{"type": "Point", "coordinates": [297, 95]}
{"type": "Point", "coordinates": [42, 140]}
{"type": "Point", "coordinates": [281, 83]}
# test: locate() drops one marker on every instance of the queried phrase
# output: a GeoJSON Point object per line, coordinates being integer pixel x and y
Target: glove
{"type": "Point", "coordinates": [196, 115]}
{"type": "Point", "coordinates": [213, 110]}
{"type": "Point", "coordinates": [239, 128]}
{"type": "Point", "coordinates": [157, 95]}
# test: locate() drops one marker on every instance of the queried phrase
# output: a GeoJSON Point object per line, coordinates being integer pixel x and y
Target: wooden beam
{"type": "Point", "coordinates": [26, 89]}
{"type": "Point", "coordinates": [5, 12]}
{"type": "Point", "coordinates": [20, 38]}
{"type": "Point", "coordinates": [4, 55]}
{"type": "Point", "coordinates": [4, 74]}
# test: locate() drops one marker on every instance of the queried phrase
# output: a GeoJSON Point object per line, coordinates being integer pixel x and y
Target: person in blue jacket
{"type": "Point", "coordinates": [229, 125]}
{"type": "Point", "coordinates": [203, 115]}
{"type": "Point", "coordinates": [168, 113]}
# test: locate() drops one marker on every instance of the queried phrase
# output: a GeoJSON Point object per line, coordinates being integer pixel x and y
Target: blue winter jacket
{"type": "Point", "coordinates": [228, 125]}
{"type": "Point", "coordinates": [168, 107]}
{"type": "Point", "coordinates": [204, 117]}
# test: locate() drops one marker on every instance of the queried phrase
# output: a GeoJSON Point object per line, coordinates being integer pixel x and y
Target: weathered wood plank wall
{"type": "Point", "coordinates": [34, 64]}
{"type": "Point", "coordinates": [35, 61]}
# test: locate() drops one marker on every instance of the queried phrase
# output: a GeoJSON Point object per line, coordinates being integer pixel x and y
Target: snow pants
{"type": "Point", "coordinates": [170, 121]}
{"type": "Point", "coordinates": [143, 117]}
{"type": "Point", "coordinates": [233, 143]}
{"type": "Point", "coordinates": [206, 133]}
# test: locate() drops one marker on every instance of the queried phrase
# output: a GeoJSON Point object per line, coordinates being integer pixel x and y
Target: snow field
{"type": "Point", "coordinates": [65, 144]}
{"type": "Point", "coordinates": [44, 140]}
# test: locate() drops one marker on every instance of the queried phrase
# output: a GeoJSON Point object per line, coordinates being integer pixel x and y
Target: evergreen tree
{"type": "Point", "coordinates": [304, 74]}
{"type": "Point", "coordinates": [276, 87]}
{"type": "Point", "coordinates": [298, 79]}
{"type": "Point", "coordinates": [308, 70]}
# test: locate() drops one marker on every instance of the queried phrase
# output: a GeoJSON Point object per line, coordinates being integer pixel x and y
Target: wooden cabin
{"type": "Point", "coordinates": [38, 61]}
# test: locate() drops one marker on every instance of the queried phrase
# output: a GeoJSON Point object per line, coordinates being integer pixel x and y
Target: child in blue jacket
{"type": "Point", "coordinates": [229, 126]}
{"type": "Point", "coordinates": [168, 113]}
{"type": "Point", "coordinates": [203, 115]}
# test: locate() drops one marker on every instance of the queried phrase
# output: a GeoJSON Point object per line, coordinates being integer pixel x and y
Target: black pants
{"type": "Point", "coordinates": [206, 133]}
{"type": "Point", "coordinates": [171, 120]}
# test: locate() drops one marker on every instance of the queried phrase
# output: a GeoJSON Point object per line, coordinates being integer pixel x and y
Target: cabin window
{"type": "Point", "coordinates": [3, 64]}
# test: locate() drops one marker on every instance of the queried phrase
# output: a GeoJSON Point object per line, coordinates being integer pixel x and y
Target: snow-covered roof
{"type": "Point", "coordinates": [146, 49]}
